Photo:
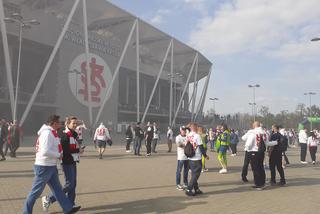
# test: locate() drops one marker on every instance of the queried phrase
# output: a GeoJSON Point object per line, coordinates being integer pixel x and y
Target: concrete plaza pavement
{"type": "Point", "coordinates": [124, 183]}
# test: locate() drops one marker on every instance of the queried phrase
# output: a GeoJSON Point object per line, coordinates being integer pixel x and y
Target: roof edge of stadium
{"type": "Point", "coordinates": [172, 37]}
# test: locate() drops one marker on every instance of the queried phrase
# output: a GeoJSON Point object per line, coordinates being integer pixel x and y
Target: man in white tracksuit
{"type": "Point", "coordinates": [256, 141]}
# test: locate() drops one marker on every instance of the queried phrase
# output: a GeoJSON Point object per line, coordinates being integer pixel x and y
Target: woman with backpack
{"type": "Point", "coordinates": [313, 146]}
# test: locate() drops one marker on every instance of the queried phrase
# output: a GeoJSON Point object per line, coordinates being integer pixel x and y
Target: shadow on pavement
{"type": "Point", "coordinates": [156, 205]}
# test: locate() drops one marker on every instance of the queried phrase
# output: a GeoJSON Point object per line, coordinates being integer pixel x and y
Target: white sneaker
{"type": "Point", "coordinates": [313, 162]}
{"type": "Point", "coordinates": [304, 162]}
{"type": "Point", "coordinates": [128, 151]}
{"type": "Point", "coordinates": [223, 171]}
{"type": "Point", "coordinates": [45, 204]}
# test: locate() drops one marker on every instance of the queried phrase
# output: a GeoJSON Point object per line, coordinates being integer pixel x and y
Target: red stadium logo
{"type": "Point", "coordinates": [100, 79]}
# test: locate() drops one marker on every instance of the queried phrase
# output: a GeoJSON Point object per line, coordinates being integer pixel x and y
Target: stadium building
{"type": "Point", "coordinates": [49, 48]}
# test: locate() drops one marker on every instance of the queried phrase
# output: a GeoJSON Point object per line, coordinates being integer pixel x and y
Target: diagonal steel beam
{"type": "Point", "coordinates": [48, 65]}
{"type": "Point", "coordinates": [185, 88]}
{"type": "Point", "coordinates": [156, 83]}
{"type": "Point", "coordinates": [7, 58]}
{"type": "Point", "coordinates": [115, 74]}
{"type": "Point", "coordinates": [203, 95]}
{"type": "Point", "coordinates": [195, 89]}
{"type": "Point", "coordinates": [88, 71]}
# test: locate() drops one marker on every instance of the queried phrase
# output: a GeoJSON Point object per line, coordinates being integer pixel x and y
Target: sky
{"type": "Point", "coordinates": [265, 42]}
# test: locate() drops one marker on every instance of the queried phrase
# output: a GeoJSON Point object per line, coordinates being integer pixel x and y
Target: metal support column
{"type": "Point", "coordinates": [171, 84]}
{"type": "Point", "coordinates": [138, 69]}
{"type": "Point", "coordinates": [156, 83]}
{"type": "Point", "coordinates": [185, 88]}
{"type": "Point", "coordinates": [115, 74]}
{"type": "Point", "coordinates": [7, 58]}
{"type": "Point", "coordinates": [203, 96]}
{"type": "Point", "coordinates": [195, 89]}
{"type": "Point", "coordinates": [88, 71]}
{"type": "Point", "coordinates": [51, 58]}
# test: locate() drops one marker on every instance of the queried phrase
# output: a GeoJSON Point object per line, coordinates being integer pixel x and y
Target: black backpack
{"type": "Point", "coordinates": [189, 150]}
{"type": "Point", "coordinates": [283, 144]}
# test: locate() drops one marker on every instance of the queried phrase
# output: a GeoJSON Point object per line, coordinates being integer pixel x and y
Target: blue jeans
{"type": "Point", "coordinates": [46, 175]}
{"type": "Point", "coordinates": [184, 164]}
{"type": "Point", "coordinates": [70, 178]}
{"type": "Point", "coordinates": [137, 145]}
{"type": "Point", "coordinates": [195, 167]}
{"type": "Point", "coordinates": [212, 144]}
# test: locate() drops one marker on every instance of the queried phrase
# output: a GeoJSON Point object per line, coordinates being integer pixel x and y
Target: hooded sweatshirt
{"type": "Point", "coordinates": [252, 138]}
{"type": "Point", "coordinates": [48, 147]}
{"type": "Point", "coordinates": [101, 133]}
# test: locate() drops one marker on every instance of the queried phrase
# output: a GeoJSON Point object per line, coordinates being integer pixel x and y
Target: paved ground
{"type": "Point", "coordinates": [123, 183]}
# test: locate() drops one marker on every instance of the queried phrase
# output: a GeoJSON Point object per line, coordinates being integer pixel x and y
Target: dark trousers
{"type": "Point", "coordinates": [256, 162]}
{"type": "Point", "coordinates": [245, 166]}
{"type": "Point", "coordinates": [303, 152]}
{"type": "Point", "coordinates": [70, 178]}
{"type": "Point", "coordinates": [233, 148]}
{"type": "Point", "coordinates": [285, 157]}
{"type": "Point", "coordinates": [1, 148]}
{"type": "Point", "coordinates": [275, 160]}
{"type": "Point", "coordinates": [195, 167]}
{"type": "Point", "coordinates": [148, 145]}
{"type": "Point", "coordinates": [154, 145]}
{"type": "Point", "coordinates": [128, 144]}
{"type": "Point", "coordinates": [313, 151]}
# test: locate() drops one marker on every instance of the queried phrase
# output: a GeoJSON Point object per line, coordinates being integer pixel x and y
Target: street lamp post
{"type": "Point", "coordinates": [214, 107]}
{"type": "Point", "coordinates": [23, 24]}
{"type": "Point", "coordinates": [252, 110]}
{"type": "Point", "coordinates": [310, 111]}
{"type": "Point", "coordinates": [254, 100]}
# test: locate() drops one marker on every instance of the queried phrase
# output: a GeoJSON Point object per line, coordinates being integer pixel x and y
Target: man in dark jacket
{"type": "Point", "coordinates": [149, 137]}
{"type": "Point", "coordinates": [139, 137]}
{"type": "Point", "coordinates": [275, 159]}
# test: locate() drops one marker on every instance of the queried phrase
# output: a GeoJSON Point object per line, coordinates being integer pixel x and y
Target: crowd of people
{"type": "Point", "coordinates": [63, 143]}
{"type": "Point", "coordinates": [11, 137]}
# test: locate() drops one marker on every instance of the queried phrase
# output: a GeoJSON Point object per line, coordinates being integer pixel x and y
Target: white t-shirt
{"type": "Point", "coordinates": [313, 141]}
{"type": "Point", "coordinates": [180, 150]}
{"type": "Point", "coordinates": [196, 141]}
{"type": "Point", "coordinates": [303, 137]}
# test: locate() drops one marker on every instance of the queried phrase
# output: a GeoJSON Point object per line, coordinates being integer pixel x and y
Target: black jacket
{"type": "Point", "coordinates": [67, 148]}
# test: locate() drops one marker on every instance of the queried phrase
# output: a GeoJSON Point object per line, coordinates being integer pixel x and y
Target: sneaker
{"type": "Point", "coordinates": [223, 171]}
{"type": "Point", "coordinates": [128, 151]}
{"type": "Point", "coordinates": [244, 179]}
{"type": "Point", "coordinates": [179, 187]}
{"type": "Point", "coordinates": [45, 203]}
{"type": "Point", "coordinates": [185, 186]}
{"type": "Point", "coordinates": [233, 155]}
{"type": "Point", "coordinates": [313, 162]}
{"type": "Point", "coordinates": [148, 154]}
{"type": "Point", "coordinates": [206, 169]}
{"type": "Point", "coordinates": [282, 183]}
{"type": "Point", "coordinates": [259, 188]}
{"type": "Point", "coordinates": [272, 183]}
{"type": "Point", "coordinates": [189, 193]}
{"type": "Point", "coordinates": [74, 210]}
{"type": "Point", "coordinates": [304, 162]}
{"type": "Point", "coordinates": [198, 192]}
